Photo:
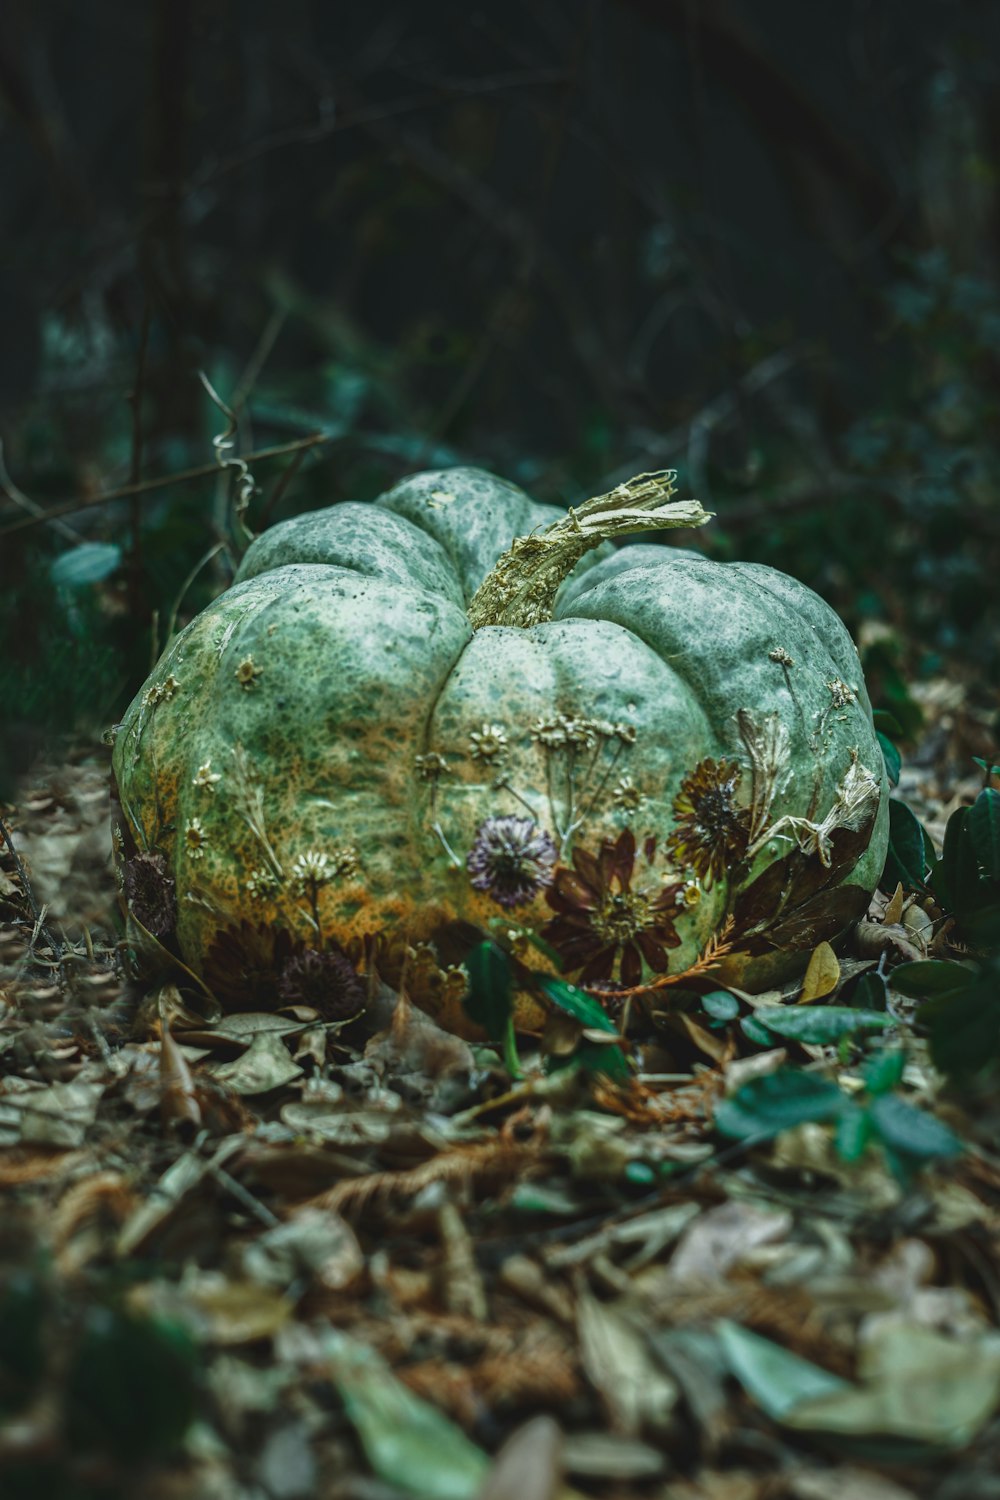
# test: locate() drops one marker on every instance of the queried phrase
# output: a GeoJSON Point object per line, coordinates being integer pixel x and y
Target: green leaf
{"type": "Point", "coordinates": [592, 1057]}
{"type": "Point", "coordinates": [913, 1132]}
{"type": "Point", "coordinates": [820, 1025]}
{"type": "Point", "coordinates": [891, 756]}
{"type": "Point", "coordinates": [720, 1005]}
{"type": "Point", "coordinates": [766, 1106]}
{"type": "Point", "coordinates": [777, 1380]}
{"type": "Point", "coordinates": [853, 1132]}
{"type": "Point", "coordinates": [755, 1031]}
{"type": "Point", "coordinates": [905, 860]}
{"type": "Point", "coordinates": [887, 723]}
{"type": "Point", "coordinates": [489, 1001]}
{"type": "Point", "coordinates": [408, 1443]}
{"type": "Point", "coordinates": [965, 1030]}
{"type": "Point", "coordinates": [583, 1008]}
{"type": "Point", "coordinates": [132, 1385]}
{"type": "Point", "coordinates": [928, 977]}
{"type": "Point", "coordinates": [983, 823]}
{"type": "Point", "coordinates": [869, 992]}
{"type": "Point", "coordinates": [884, 1071]}
{"type": "Point", "coordinates": [89, 563]}
{"type": "Point", "coordinates": [989, 766]}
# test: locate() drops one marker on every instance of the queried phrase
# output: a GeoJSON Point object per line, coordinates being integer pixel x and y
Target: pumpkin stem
{"type": "Point", "coordinates": [521, 590]}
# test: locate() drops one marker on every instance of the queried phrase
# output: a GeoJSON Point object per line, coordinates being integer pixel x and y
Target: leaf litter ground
{"type": "Point", "coordinates": [260, 1255]}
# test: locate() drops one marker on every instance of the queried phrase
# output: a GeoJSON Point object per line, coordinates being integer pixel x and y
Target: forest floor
{"type": "Point", "coordinates": [263, 1257]}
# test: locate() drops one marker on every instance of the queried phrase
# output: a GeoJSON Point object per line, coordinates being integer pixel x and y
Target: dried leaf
{"type": "Point", "coordinates": [527, 1467]}
{"type": "Point", "coordinates": [914, 1383]}
{"type": "Point", "coordinates": [894, 906]}
{"type": "Point", "coordinates": [266, 1065]}
{"type": "Point", "coordinates": [822, 975]}
{"type": "Point", "coordinates": [178, 1099]}
{"type": "Point", "coordinates": [636, 1392]}
{"type": "Point", "coordinates": [314, 1241]}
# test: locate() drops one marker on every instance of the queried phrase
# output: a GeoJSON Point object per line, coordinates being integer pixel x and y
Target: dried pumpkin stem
{"type": "Point", "coordinates": [522, 588]}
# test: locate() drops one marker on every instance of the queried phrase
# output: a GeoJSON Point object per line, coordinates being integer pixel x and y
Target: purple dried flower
{"type": "Point", "coordinates": [328, 982]}
{"type": "Point", "coordinates": [151, 893]}
{"type": "Point", "coordinates": [511, 859]}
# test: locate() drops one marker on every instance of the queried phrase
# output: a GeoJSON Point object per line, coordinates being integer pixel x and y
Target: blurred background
{"type": "Point", "coordinates": [569, 240]}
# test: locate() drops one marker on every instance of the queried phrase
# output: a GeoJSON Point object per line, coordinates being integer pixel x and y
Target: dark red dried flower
{"type": "Point", "coordinates": [244, 965]}
{"type": "Point", "coordinates": [328, 982]}
{"type": "Point", "coordinates": [601, 918]}
{"type": "Point", "coordinates": [712, 831]}
{"type": "Point", "coordinates": [151, 893]}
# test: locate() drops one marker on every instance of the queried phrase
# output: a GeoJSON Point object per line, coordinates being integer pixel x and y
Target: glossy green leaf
{"type": "Point", "coordinates": [490, 997]}
{"type": "Point", "coordinates": [721, 1005]}
{"type": "Point", "coordinates": [766, 1106]}
{"type": "Point", "coordinates": [869, 992]}
{"type": "Point", "coordinates": [913, 1132]}
{"type": "Point", "coordinates": [887, 723]}
{"type": "Point", "coordinates": [891, 756]}
{"type": "Point", "coordinates": [964, 1029]}
{"type": "Point", "coordinates": [755, 1031]}
{"type": "Point", "coordinates": [927, 977]}
{"type": "Point", "coordinates": [884, 1071]}
{"type": "Point", "coordinates": [408, 1442]}
{"type": "Point", "coordinates": [772, 1376]}
{"type": "Point", "coordinates": [91, 562]}
{"type": "Point", "coordinates": [983, 823]}
{"type": "Point", "coordinates": [820, 1025]}
{"type": "Point", "coordinates": [582, 1007]}
{"type": "Point", "coordinates": [905, 861]}
{"type": "Point", "coordinates": [132, 1385]}
{"type": "Point", "coordinates": [853, 1132]}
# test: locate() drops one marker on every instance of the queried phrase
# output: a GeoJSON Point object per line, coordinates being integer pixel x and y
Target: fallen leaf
{"type": "Point", "coordinates": [719, 1239]}
{"type": "Point", "coordinates": [636, 1392]}
{"type": "Point", "coordinates": [528, 1466]}
{"type": "Point", "coordinates": [776, 1379]}
{"type": "Point", "coordinates": [407, 1442]}
{"type": "Point", "coordinates": [822, 975]}
{"type": "Point", "coordinates": [265, 1065]}
{"type": "Point", "coordinates": [913, 1383]}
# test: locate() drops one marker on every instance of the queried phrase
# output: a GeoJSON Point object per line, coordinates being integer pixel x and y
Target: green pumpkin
{"type": "Point", "coordinates": [396, 722]}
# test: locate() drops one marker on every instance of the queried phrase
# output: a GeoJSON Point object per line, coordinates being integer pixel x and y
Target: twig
{"type": "Point", "coordinates": [134, 399]}
{"type": "Point", "coordinates": [35, 510]}
{"type": "Point", "coordinates": [37, 912]}
{"type": "Point", "coordinates": [281, 484]}
{"type": "Point", "coordinates": [202, 471]}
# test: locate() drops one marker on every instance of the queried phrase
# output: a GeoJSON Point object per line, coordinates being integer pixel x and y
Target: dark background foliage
{"type": "Point", "coordinates": [753, 239]}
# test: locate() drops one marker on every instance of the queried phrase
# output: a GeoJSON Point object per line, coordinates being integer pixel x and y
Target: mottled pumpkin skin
{"type": "Point", "coordinates": [333, 703]}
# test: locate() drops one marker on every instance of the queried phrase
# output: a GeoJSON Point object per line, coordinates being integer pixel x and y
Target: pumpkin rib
{"type": "Point", "coordinates": [351, 535]}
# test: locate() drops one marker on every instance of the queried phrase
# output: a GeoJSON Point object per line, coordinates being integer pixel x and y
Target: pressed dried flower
{"type": "Point", "coordinates": [311, 870]}
{"type": "Point", "coordinates": [247, 672]}
{"type": "Point", "coordinates": [512, 859]}
{"type": "Point", "coordinates": [262, 883]}
{"type": "Point", "coordinates": [627, 797]}
{"type": "Point", "coordinates": [489, 743]}
{"type": "Point", "coordinates": [841, 692]}
{"type": "Point", "coordinates": [327, 981]}
{"type": "Point", "coordinates": [430, 767]}
{"type": "Point", "coordinates": [205, 778]}
{"type": "Point", "coordinates": [195, 838]}
{"type": "Point", "coordinates": [713, 831]}
{"type": "Point", "coordinates": [781, 656]}
{"type": "Point", "coordinates": [151, 893]}
{"type": "Point", "coordinates": [601, 919]}
{"type": "Point", "coordinates": [244, 965]}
